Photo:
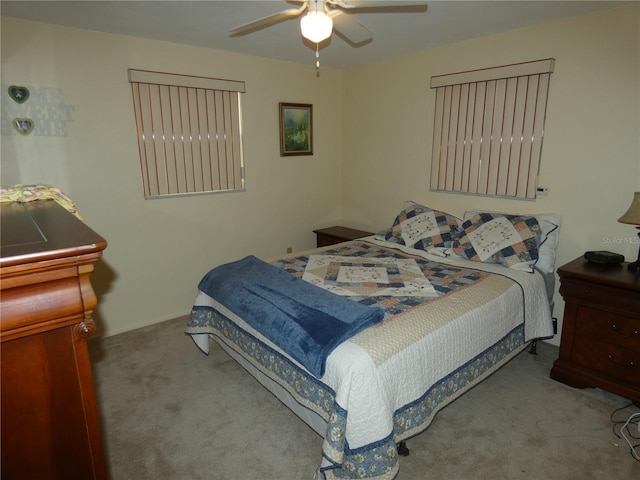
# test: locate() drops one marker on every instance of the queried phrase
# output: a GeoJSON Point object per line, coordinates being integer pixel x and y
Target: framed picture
{"type": "Point", "coordinates": [296, 129]}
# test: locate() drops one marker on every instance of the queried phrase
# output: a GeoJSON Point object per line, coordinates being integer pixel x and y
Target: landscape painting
{"type": "Point", "coordinates": [296, 133]}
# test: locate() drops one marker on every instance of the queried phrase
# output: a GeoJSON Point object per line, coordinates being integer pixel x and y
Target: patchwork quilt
{"type": "Point", "coordinates": [449, 323]}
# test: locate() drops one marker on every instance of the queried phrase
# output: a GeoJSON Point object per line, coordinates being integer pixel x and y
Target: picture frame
{"type": "Point", "coordinates": [296, 129]}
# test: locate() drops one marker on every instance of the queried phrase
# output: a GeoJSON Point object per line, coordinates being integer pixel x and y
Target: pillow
{"type": "Point", "coordinates": [423, 228]}
{"type": "Point", "coordinates": [550, 227]}
{"type": "Point", "coordinates": [509, 240]}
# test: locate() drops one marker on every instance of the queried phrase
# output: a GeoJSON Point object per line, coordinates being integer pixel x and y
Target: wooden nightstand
{"type": "Point", "coordinates": [600, 344]}
{"type": "Point", "coordinates": [333, 235]}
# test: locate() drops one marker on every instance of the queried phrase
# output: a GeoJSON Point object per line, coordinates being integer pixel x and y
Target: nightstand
{"type": "Point", "coordinates": [600, 343]}
{"type": "Point", "coordinates": [333, 235]}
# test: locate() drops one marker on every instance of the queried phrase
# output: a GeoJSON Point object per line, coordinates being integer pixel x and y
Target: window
{"type": "Point", "coordinates": [488, 129]}
{"type": "Point", "coordinates": [189, 133]}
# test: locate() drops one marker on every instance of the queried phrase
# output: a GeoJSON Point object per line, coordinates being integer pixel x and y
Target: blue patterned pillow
{"type": "Point", "coordinates": [421, 227]}
{"type": "Point", "coordinates": [549, 238]}
{"type": "Point", "coordinates": [509, 240]}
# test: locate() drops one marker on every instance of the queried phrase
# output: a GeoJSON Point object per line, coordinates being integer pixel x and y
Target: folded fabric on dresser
{"type": "Point", "coordinates": [28, 193]}
{"type": "Point", "coordinates": [304, 320]}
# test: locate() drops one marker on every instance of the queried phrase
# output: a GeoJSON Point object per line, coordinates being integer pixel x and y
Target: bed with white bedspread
{"type": "Point", "coordinates": [449, 322]}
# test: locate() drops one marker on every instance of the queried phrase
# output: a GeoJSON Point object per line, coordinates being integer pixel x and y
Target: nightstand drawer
{"type": "Point", "coordinates": [609, 327]}
{"type": "Point", "coordinates": [595, 294]}
{"type": "Point", "coordinates": [617, 363]}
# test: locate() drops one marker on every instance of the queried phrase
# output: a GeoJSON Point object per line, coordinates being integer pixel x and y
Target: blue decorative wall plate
{"type": "Point", "coordinates": [19, 94]}
{"type": "Point", "coordinates": [24, 126]}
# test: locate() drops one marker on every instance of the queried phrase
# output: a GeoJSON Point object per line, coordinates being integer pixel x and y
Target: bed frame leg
{"type": "Point", "coordinates": [402, 449]}
{"type": "Point", "coordinates": [534, 348]}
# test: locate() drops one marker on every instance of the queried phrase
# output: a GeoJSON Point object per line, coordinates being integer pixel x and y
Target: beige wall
{"type": "Point", "coordinates": [159, 249]}
{"type": "Point", "coordinates": [591, 152]}
{"type": "Point", "coordinates": [372, 149]}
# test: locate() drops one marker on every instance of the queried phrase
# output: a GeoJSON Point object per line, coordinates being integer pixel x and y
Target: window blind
{"type": "Point", "coordinates": [488, 129]}
{"type": "Point", "coordinates": [189, 133]}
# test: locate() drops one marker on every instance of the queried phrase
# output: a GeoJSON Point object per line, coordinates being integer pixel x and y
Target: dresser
{"type": "Point", "coordinates": [333, 235]}
{"type": "Point", "coordinates": [600, 343]}
{"type": "Point", "coordinates": [50, 425]}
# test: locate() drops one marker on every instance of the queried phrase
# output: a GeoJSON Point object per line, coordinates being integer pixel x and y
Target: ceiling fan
{"type": "Point", "coordinates": [324, 15]}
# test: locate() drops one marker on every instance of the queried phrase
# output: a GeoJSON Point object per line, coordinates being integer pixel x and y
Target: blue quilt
{"type": "Point", "coordinates": [304, 320]}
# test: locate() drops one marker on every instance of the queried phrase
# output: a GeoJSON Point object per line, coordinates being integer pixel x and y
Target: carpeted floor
{"type": "Point", "coordinates": [171, 413]}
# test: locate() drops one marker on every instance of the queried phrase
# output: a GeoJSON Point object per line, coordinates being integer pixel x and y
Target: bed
{"type": "Point", "coordinates": [443, 313]}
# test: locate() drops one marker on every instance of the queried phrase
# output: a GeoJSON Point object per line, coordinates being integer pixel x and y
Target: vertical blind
{"type": "Point", "coordinates": [488, 129]}
{"type": "Point", "coordinates": [189, 133]}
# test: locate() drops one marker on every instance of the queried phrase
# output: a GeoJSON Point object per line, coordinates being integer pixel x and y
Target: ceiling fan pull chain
{"type": "Point", "coordinates": [317, 58]}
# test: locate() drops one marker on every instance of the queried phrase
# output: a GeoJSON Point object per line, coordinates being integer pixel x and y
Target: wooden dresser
{"type": "Point", "coordinates": [600, 344]}
{"type": "Point", "coordinates": [333, 235]}
{"type": "Point", "coordinates": [50, 426]}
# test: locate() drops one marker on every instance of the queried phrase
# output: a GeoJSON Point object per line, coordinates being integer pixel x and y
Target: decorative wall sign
{"type": "Point", "coordinates": [19, 94]}
{"type": "Point", "coordinates": [46, 109]}
{"type": "Point", "coordinates": [24, 126]}
{"type": "Point", "coordinates": [296, 129]}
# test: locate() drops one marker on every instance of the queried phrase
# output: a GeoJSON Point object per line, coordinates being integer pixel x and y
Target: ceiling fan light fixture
{"type": "Point", "coordinates": [316, 26]}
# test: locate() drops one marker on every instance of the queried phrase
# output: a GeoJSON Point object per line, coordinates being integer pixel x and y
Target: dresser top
{"type": "Point", "coordinates": [612, 275]}
{"type": "Point", "coordinates": [43, 230]}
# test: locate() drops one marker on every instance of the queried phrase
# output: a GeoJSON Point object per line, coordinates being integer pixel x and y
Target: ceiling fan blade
{"type": "Point", "coordinates": [267, 21]}
{"type": "Point", "coordinates": [385, 4]}
{"type": "Point", "coordinates": [349, 28]}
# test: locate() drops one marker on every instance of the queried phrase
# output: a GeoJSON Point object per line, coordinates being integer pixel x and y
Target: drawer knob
{"type": "Point", "coordinates": [616, 364]}
{"type": "Point", "coordinates": [614, 327]}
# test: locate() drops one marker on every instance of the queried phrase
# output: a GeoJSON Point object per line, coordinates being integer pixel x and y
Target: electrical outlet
{"type": "Point", "coordinates": [289, 250]}
{"type": "Point", "coordinates": [542, 191]}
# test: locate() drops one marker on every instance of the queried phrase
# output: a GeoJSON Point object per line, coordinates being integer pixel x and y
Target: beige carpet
{"type": "Point", "coordinates": [171, 413]}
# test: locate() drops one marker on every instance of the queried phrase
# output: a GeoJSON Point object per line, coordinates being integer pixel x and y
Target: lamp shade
{"type": "Point", "coordinates": [632, 215]}
{"type": "Point", "coordinates": [316, 26]}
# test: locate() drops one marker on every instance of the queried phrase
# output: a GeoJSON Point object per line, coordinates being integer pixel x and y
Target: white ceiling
{"type": "Point", "coordinates": [206, 24]}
